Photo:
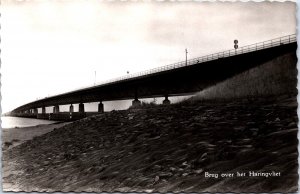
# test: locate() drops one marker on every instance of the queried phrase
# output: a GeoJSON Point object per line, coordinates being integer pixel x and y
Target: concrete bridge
{"type": "Point", "coordinates": [179, 79]}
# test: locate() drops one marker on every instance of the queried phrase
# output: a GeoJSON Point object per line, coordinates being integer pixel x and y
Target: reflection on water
{"type": "Point", "coordinates": [12, 122]}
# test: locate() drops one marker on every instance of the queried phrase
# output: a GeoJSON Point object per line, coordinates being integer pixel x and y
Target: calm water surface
{"type": "Point", "coordinates": [12, 122]}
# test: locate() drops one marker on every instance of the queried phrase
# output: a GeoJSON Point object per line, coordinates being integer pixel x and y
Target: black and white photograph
{"type": "Point", "coordinates": [149, 96]}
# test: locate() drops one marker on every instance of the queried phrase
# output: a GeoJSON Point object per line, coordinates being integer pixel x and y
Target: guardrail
{"type": "Point", "coordinates": [228, 53]}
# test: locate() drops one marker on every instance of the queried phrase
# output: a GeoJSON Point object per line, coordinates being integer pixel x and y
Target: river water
{"type": "Point", "coordinates": [12, 122]}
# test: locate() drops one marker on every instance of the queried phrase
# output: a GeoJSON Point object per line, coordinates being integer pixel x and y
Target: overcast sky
{"type": "Point", "coordinates": [51, 47]}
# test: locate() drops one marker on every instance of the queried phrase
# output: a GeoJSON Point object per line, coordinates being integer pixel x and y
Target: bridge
{"type": "Point", "coordinates": [179, 79]}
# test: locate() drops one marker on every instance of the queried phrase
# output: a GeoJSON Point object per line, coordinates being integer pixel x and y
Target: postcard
{"type": "Point", "coordinates": [149, 96]}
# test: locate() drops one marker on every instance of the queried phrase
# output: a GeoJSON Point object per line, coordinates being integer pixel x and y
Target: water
{"type": "Point", "coordinates": [12, 122]}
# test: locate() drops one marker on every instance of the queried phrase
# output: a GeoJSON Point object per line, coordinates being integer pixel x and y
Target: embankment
{"type": "Point", "coordinates": [164, 148]}
{"type": "Point", "coordinates": [275, 77]}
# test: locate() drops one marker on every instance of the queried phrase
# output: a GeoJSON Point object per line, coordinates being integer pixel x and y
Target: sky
{"type": "Point", "coordinates": [50, 47]}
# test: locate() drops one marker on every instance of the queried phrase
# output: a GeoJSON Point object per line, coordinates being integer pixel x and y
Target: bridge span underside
{"type": "Point", "coordinates": [175, 82]}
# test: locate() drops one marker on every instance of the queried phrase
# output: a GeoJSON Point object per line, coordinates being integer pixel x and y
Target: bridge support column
{"type": "Point", "coordinates": [56, 109]}
{"type": "Point", "coordinates": [81, 108]}
{"type": "Point", "coordinates": [166, 100]}
{"type": "Point", "coordinates": [71, 108]}
{"type": "Point", "coordinates": [100, 107]}
{"type": "Point", "coordinates": [43, 110]}
{"type": "Point", "coordinates": [35, 111]}
{"type": "Point", "coordinates": [136, 102]}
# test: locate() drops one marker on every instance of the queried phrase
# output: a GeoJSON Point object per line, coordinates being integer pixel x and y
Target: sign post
{"type": "Point", "coordinates": [236, 45]}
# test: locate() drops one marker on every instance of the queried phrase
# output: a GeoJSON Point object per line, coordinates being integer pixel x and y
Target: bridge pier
{"type": "Point", "coordinates": [56, 109]}
{"type": "Point", "coordinates": [136, 103]}
{"type": "Point", "coordinates": [100, 107]}
{"type": "Point", "coordinates": [81, 108]}
{"type": "Point", "coordinates": [43, 110]}
{"type": "Point", "coordinates": [166, 100]}
{"type": "Point", "coordinates": [35, 111]}
{"type": "Point", "coordinates": [71, 108]}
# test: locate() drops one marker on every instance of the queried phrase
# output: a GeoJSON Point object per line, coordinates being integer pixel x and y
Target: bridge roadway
{"type": "Point", "coordinates": [183, 78]}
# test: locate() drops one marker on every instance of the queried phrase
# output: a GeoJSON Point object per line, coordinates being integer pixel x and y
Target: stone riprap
{"type": "Point", "coordinates": [165, 148]}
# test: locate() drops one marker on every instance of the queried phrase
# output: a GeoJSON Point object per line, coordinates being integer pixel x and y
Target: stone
{"type": "Point", "coordinates": [149, 190]}
{"type": "Point", "coordinates": [198, 171]}
{"type": "Point", "coordinates": [165, 174]}
{"type": "Point", "coordinates": [292, 124]}
{"type": "Point", "coordinates": [157, 167]}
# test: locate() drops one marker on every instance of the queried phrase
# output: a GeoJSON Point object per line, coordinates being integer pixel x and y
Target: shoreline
{"type": "Point", "coordinates": [12, 137]}
{"type": "Point", "coordinates": [31, 126]}
{"type": "Point", "coordinates": [8, 122]}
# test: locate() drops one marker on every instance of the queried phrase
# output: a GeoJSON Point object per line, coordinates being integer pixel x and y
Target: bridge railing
{"type": "Point", "coordinates": [228, 53]}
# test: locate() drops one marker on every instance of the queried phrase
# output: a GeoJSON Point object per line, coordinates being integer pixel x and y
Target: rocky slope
{"type": "Point", "coordinates": [164, 148]}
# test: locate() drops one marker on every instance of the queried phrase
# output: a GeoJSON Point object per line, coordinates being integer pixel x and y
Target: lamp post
{"type": "Point", "coordinates": [186, 52]}
{"type": "Point", "coordinates": [95, 79]}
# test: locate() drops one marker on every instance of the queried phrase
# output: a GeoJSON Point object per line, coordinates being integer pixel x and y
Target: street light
{"type": "Point", "coordinates": [186, 52]}
{"type": "Point", "coordinates": [95, 79]}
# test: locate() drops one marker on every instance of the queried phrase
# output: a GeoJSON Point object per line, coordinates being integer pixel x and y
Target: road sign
{"type": "Point", "coordinates": [236, 44]}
